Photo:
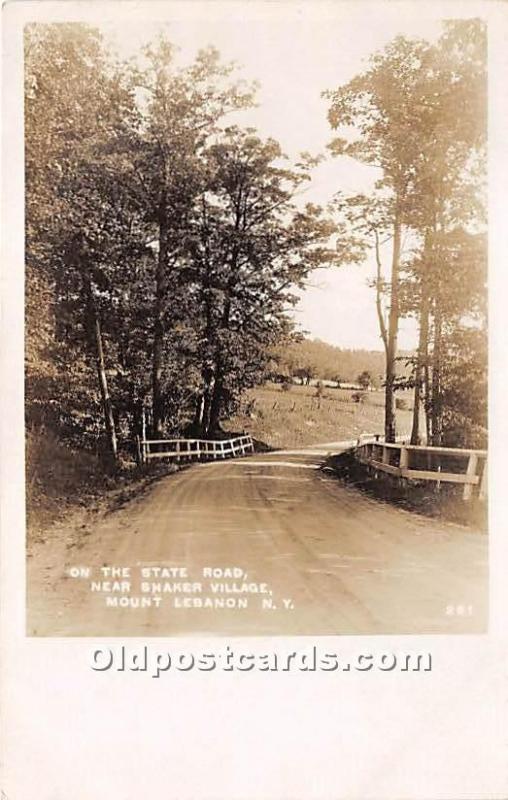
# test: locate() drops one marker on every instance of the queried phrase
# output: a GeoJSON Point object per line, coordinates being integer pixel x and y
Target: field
{"type": "Point", "coordinates": [297, 417]}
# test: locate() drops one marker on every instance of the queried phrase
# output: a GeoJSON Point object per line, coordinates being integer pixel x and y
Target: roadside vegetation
{"type": "Point", "coordinates": [67, 488]}
{"type": "Point", "coordinates": [421, 497]}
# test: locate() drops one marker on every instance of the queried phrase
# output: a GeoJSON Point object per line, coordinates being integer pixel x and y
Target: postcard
{"type": "Point", "coordinates": [253, 322]}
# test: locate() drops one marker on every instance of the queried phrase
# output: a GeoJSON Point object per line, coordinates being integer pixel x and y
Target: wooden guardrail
{"type": "Point", "coordinates": [419, 463]}
{"type": "Point", "coordinates": [195, 449]}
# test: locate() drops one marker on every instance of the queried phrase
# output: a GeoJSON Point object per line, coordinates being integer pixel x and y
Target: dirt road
{"type": "Point", "coordinates": [264, 545]}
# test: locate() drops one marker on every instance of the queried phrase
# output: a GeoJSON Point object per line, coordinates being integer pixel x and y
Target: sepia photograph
{"type": "Point", "coordinates": [256, 342]}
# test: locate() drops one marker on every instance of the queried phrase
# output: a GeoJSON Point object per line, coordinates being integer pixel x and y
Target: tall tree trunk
{"type": "Point", "coordinates": [218, 381]}
{"type": "Point", "coordinates": [216, 397]}
{"type": "Point", "coordinates": [197, 423]}
{"type": "Point", "coordinates": [423, 342]}
{"type": "Point", "coordinates": [206, 409]}
{"type": "Point", "coordinates": [393, 325]}
{"type": "Point", "coordinates": [107, 406]}
{"type": "Point", "coordinates": [158, 334]}
{"type": "Point", "coordinates": [436, 409]}
{"type": "Point", "coordinates": [207, 371]}
{"type": "Point", "coordinates": [426, 395]}
{"type": "Point", "coordinates": [379, 295]}
{"type": "Point", "coordinates": [202, 413]}
{"type": "Point", "coordinates": [435, 397]}
{"type": "Point", "coordinates": [427, 387]}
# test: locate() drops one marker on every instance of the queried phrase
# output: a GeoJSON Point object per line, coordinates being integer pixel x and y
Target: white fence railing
{"type": "Point", "coordinates": [195, 449]}
{"type": "Point", "coordinates": [440, 464]}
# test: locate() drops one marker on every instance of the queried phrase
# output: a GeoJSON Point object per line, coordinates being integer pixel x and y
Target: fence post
{"type": "Point", "coordinates": [471, 470]}
{"type": "Point", "coordinates": [404, 458]}
{"type": "Point", "coordinates": [177, 450]}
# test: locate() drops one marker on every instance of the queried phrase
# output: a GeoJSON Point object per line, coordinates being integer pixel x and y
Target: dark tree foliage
{"type": "Point", "coordinates": [162, 247]}
{"type": "Point", "coordinates": [252, 247]}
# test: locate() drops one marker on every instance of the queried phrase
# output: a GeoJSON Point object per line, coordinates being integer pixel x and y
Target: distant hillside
{"type": "Point", "coordinates": [328, 362]}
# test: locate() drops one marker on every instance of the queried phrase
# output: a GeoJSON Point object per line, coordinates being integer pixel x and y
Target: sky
{"type": "Point", "coordinates": [296, 51]}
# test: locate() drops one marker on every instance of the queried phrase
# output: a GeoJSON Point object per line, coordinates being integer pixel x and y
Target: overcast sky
{"type": "Point", "coordinates": [295, 51]}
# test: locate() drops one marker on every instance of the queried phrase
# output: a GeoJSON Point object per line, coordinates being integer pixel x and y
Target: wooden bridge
{"type": "Point", "coordinates": [420, 463]}
{"type": "Point", "coordinates": [195, 449]}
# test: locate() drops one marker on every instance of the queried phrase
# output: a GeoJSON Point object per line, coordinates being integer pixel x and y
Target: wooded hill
{"type": "Point", "coordinates": [320, 360]}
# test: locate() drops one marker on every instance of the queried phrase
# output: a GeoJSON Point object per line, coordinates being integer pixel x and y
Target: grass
{"type": "Point", "coordinates": [62, 481]}
{"type": "Point", "coordinates": [297, 417]}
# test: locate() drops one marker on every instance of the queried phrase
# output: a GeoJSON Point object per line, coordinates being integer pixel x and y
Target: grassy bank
{"type": "Point", "coordinates": [420, 496]}
{"type": "Point", "coordinates": [63, 483]}
{"type": "Point", "coordinates": [298, 417]}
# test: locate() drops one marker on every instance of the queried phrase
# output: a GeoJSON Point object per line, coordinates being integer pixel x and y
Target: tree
{"type": "Point", "coordinates": [78, 230]}
{"type": "Point", "coordinates": [252, 246]}
{"type": "Point", "coordinates": [183, 109]}
{"type": "Point", "coordinates": [418, 114]}
{"type": "Point", "coordinates": [447, 201]}
{"type": "Point", "coordinates": [381, 107]}
{"type": "Point", "coordinates": [464, 397]}
{"type": "Point", "coordinates": [165, 247]}
{"type": "Point", "coordinates": [367, 222]}
{"type": "Point", "coordinates": [365, 380]}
